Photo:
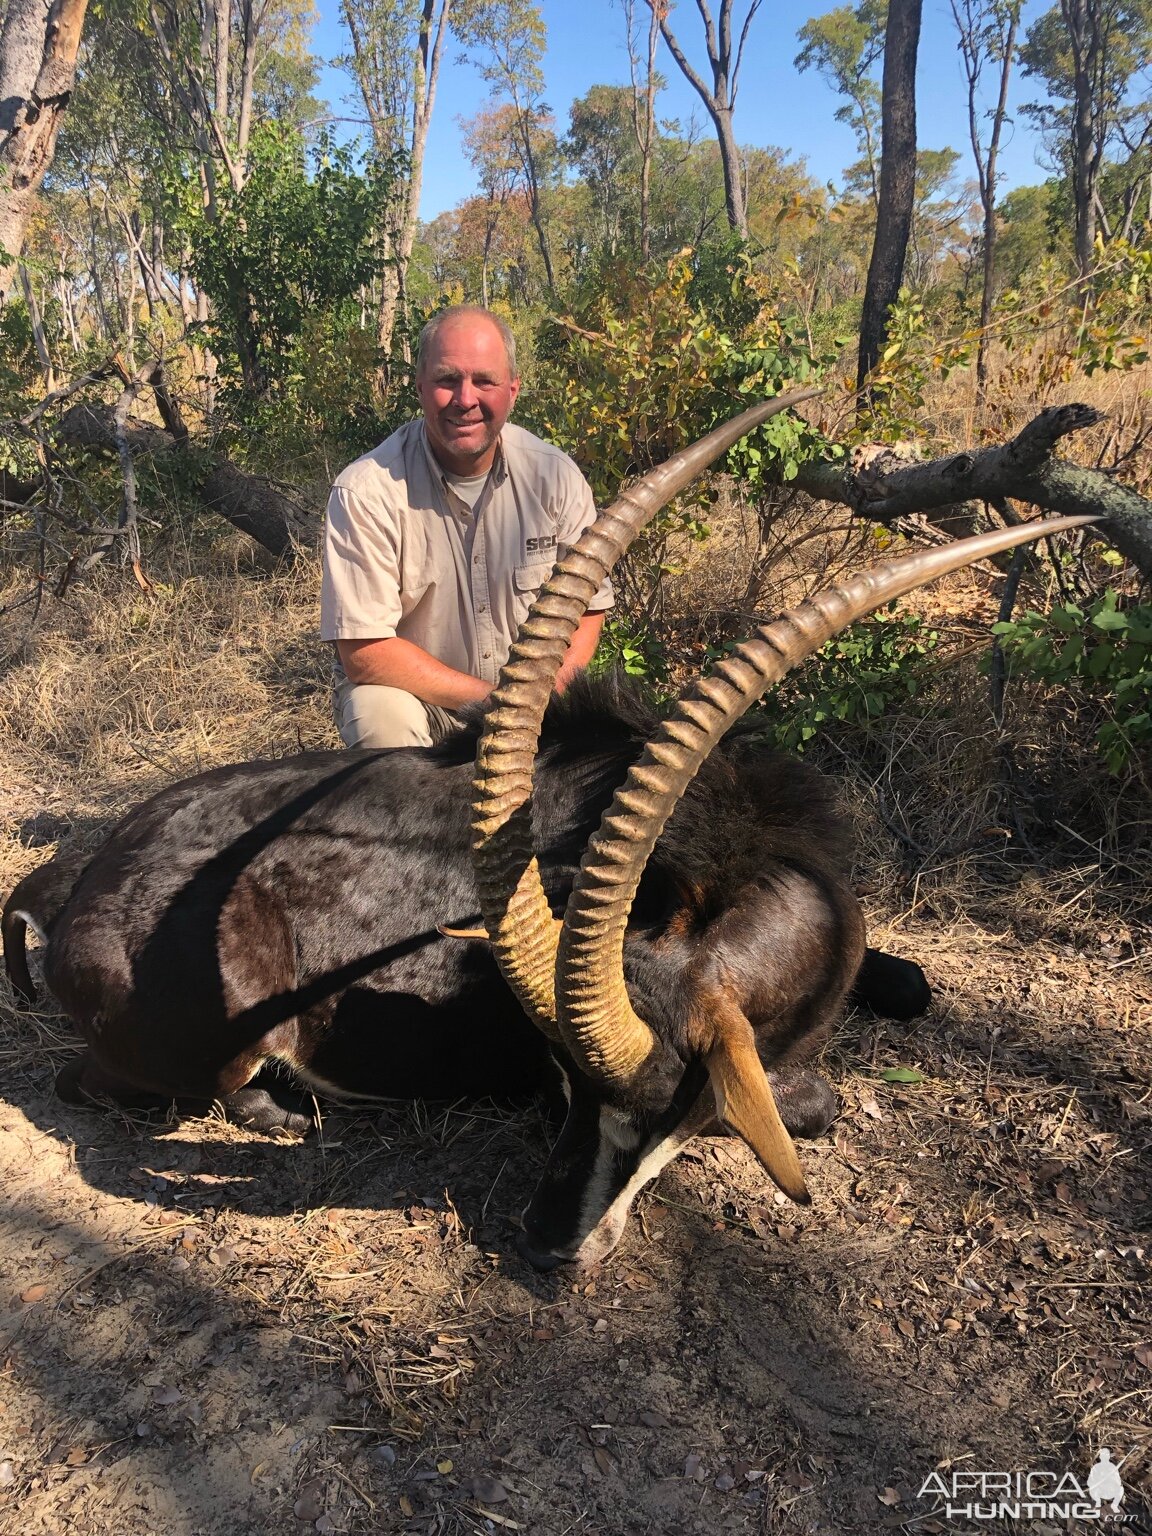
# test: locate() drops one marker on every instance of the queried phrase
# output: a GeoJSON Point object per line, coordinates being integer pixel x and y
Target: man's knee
{"type": "Point", "coordinates": [371, 715]}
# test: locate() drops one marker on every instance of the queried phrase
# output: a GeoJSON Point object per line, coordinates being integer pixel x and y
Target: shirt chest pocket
{"type": "Point", "coordinates": [528, 579]}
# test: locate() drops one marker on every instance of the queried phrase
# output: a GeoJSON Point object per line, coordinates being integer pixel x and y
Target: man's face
{"type": "Point", "coordinates": [467, 391]}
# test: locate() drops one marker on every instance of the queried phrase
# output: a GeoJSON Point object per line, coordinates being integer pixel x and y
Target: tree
{"type": "Point", "coordinates": [1088, 52]}
{"type": "Point", "coordinates": [1028, 231]}
{"type": "Point", "coordinates": [897, 181]}
{"type": "Point", "coordinates": [396, 51]}
{"type": "Point", "coordinates": [601, 143]}
{"type": "Point", "coordinates": [39, 44]}
{"type": "Point", "coordinates": [489, 140]}
{"type": "Point", "coordinates": [283, 246]}
{"type": "Point", "coordinates": [643, 112]}
{"type": "Point", "coordinates": [844, 46]}
{"type": "Point", "coordinates": [720, 99]}
{"type": "Point", "coordinates": [941, 218]}
{"type": "Point", "coordinates": [511, 37]}
{"type": "Point", "coordinates": [987, 31]}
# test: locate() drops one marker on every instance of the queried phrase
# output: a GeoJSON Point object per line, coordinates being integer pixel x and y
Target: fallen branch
{"type": "Point", "coordinates": [248, 502]}
{"type": "Point", "coordinates": [1024, 469]}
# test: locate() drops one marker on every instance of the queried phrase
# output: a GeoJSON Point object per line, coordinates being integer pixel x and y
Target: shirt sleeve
{"type": "Point", "coordinates": [580, 513]}
{"type": "Point", "coordinates": [360, 584]}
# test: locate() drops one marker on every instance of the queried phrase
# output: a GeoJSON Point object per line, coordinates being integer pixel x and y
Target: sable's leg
{"type": "Point", "coordinates": [806, 1103]}
{"type": "Point", "coordinates": [891, 987]}
{"type": "Point", "coordinates": [84, 1081]}
{"type": "Point", "coordinates": [199, 1027]}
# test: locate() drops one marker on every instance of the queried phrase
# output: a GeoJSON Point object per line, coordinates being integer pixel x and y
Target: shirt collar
{"type": "Point", "coordinates": [496, 475]}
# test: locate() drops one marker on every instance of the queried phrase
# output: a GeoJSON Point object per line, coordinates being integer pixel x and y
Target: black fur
{"type": "Point", "coordinates": [287, 912]}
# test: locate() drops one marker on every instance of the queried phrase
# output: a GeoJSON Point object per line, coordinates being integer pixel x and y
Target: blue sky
{"type": "Point", "coordinates": [776, 105]}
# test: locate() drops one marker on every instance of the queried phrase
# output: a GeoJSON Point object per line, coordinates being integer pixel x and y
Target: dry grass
{"type": "Point", "coordinates": [116, 691]}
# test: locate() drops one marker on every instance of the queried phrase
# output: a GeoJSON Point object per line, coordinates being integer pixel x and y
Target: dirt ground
{"type": "Point", "coordinates": [210, 1333]}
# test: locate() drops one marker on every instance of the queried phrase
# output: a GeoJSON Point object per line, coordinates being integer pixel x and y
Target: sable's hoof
{"type": "Point", "coordinates": [68, 1081]}
{"type": "Point", "coordinates": [269, 1110]}
{"type": "Point", "coordinates": [891, 987]}
{"type": "Point", "coordinates": [807, 1104]}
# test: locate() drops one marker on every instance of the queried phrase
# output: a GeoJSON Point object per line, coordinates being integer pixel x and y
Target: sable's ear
{"type": "Point", "coordinates": [462, 933]}
{"type": "Point", "coordinates": [744, 1102]}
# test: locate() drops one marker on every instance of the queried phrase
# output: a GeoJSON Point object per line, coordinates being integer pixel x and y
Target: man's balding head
{"type": "Point", "coordinates": [467, 382]}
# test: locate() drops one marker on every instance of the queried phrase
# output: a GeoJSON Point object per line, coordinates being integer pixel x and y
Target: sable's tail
{"type": "Point", "coordinates": [36, 903]}
{"type": "Point", "coordinates": [14, 925]}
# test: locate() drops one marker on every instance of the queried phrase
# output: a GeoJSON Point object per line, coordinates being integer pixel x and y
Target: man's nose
{"type": "Point", "coordinates": [466, 396]}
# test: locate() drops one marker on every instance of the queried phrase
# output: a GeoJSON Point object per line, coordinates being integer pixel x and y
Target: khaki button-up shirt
{"type": "Point", "coordinates": [404, 555]}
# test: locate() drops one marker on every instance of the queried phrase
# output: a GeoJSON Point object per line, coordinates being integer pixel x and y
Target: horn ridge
{"type": "Point", "coordinates": [595, 1017]}
{"type": "Point", "coordinates": [512, 900]}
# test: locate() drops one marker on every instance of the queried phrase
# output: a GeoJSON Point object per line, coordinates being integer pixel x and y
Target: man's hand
{"type": "Point", "coordinates": [396, 663]}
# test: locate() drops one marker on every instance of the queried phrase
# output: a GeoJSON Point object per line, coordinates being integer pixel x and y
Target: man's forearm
{"type": "Point", "coordinates": [581, 648]}
{"type": "Point", "coordinates": [397, 663]}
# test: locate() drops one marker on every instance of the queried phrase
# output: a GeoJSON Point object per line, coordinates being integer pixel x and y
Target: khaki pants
{"type": "Point", "coordinates": [370, 715]}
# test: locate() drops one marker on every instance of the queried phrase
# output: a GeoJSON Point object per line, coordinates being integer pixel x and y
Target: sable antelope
{"type": "Point", "coordinates": [290, 915]}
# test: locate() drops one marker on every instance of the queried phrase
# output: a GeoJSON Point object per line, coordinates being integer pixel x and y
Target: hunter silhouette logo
{"type": "Point", "coordinates": [1104, 1484]}
{"type": "Point", "coordinates": [1031, 1495]}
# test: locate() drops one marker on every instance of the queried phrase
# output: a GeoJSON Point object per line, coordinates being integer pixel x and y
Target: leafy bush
{"type": "Point", "coordinates": [647, 362]}
{"type": "Point", "coordinates": [285, 249]}
{"type": "Point", "coordinates": [1104, 652]}
{"type": "Point", "coordinates": [854, 679]}
{"type": "Point", "coordinates": [633, 650]}
{"type": "Point", "coordinates": [641, 367]}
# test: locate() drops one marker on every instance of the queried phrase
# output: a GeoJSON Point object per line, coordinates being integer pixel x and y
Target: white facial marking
{"type": "Point", "coordinates": [600, 1228]}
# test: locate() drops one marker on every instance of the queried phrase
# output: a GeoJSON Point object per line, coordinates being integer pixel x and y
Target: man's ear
{"type": "Point", "coordinates": [514, 390]}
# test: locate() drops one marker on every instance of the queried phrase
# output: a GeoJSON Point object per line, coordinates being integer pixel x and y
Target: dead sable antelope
{"type": "Point", "coordinates": [285, 917]}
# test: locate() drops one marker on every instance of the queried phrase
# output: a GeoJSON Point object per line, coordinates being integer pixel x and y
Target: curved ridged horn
{"type": "Point", "coordinates": [516, 913]}
{"type": "Point", "coordinates": [597, 1023]}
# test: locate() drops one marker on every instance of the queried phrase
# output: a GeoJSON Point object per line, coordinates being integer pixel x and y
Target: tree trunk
{"type": "Point", "coordinates": [988, 195]}
{"type": "Point", "coordinates": [734, 205]}
{"type": "Point", "coordinates": [1084, 40]}
{"type": "Point", "coordinates": [897, 182]}
{"type": "Point", "coordinates": [720, 100]}
{"type": "Point", "coordinates": [379, 90]}
{"type": "Point", "coordinates": [249, 503]}
{"type": "Point", "coordinates": [1024, 469]}
{"type": "Point", "coordinates": [38, 47]}
{"type": "Point", "coordinates": [986, 30]}
{"type": "Point", "coordinates": [644, 119]}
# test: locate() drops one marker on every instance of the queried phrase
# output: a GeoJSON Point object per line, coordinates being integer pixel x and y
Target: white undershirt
{"type": "Point", "coordinates": [467, 487]}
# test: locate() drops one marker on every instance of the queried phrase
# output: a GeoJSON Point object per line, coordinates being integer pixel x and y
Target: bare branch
{"type": "Point", "coordinates": [1023, 469]}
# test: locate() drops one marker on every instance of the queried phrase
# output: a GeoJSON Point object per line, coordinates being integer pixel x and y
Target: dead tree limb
{"type": "Point", "coordinates": [248, 502]}
{"type": "Point", "coordinates": [1024, 469]}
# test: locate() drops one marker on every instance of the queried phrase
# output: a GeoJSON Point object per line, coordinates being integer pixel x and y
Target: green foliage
{"type": "Point", "coordinates": [1103, 653]}
{"type": "Point", "coordinates": [284, 248]}
{"type": "Point", "coordinates": [19, 369]}
{"type": "Point", "coordinates": [844, 46]}
{"type": "Point", "coordinates": [633, 649]}
{"type": "Point", "coordinates": [854, 679]}
{"type": "Point", "coordinates": [648, 362]}
{"type": "Point", "coordinates": [1113, 334]}
{"type": "Point", "coordinates": [1030, 230]}
{"type": "Point", "coordinates": [910, 361]}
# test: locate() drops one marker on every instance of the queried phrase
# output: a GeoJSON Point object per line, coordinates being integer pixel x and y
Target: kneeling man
{"type": "Point", "coordinates": [438, 540]}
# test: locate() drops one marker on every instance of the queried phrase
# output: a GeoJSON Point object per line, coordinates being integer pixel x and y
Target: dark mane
{"type": "Point", "coordinates": [594, 732]}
